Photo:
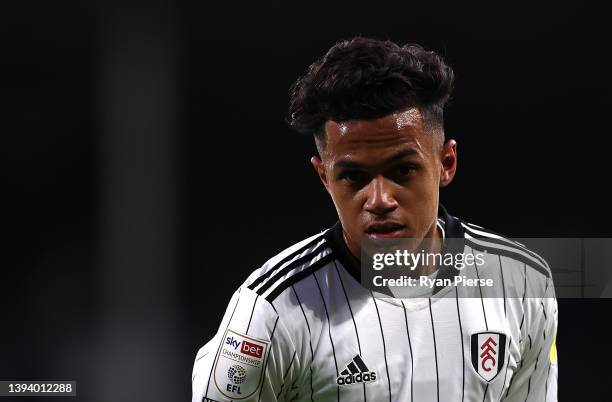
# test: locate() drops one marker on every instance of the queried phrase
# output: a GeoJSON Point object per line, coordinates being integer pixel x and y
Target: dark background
{"type": "Point", "coordinates": [147, 169]}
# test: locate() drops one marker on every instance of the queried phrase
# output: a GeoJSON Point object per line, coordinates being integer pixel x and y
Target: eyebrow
{"type": "Point", "coordinates": [345, 163]}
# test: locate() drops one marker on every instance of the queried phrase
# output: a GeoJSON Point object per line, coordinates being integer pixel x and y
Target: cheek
{"type": "Point", "coordinates": [419, 194]}
{"type": "Point", "coordinates": [429, 180]}
{"type": "Point", "coordinates": [348, 204]}
{"type": "Point", "coordinates": [342, 198]}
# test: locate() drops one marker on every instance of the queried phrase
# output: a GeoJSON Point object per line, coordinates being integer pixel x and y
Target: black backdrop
{"type": "Point", "coordinates": [147, 168]}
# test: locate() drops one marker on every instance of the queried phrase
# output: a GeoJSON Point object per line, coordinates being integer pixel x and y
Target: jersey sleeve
{"type": "Point", "coordinates": [251, 357]}
{"type": "Point", "coordinates": [536, 376]}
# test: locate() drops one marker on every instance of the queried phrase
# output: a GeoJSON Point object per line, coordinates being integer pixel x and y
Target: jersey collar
{"type": "Point", "coordinates": [452, 229]}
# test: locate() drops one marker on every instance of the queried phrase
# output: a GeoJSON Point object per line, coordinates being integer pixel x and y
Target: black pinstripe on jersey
{"type": "Point", "coordinates": [433, 332]}
{"type": "Point", "coordinates": [501, 272]}
{"type": "Point", "coordinates": [484, 315]}
{"type": "Point", "coordinates": [411, 354]}
{"type": "Point", "coordinates": [348, 303]}
{"type": "Point", "coordinates": [309, 341]}
{"type": "Point", "coordinates": [382, 337]}
{"type": "Point", "coordinates": [462, 346]}
{"type": "Point", "coordinates": [285, 376]}
{"type": "Point", "coordinates": [266, 365]}
{"type": "Point", "coordinates": [331, 340]}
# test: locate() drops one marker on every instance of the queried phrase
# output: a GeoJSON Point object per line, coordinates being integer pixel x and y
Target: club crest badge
{"type": "Point", "coordinates": [488, 350]}
{"type": "Point", "coordinates": [239, 365]}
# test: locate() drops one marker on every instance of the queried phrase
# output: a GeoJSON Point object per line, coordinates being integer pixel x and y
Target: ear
{"type": "Point", "coordinates": [319, 167]}
{"type": "Point", "coordinates": [448, 157]}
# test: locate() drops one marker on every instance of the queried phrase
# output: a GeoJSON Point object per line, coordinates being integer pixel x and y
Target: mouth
{"type": "Point", "coordinates": [385, 230]}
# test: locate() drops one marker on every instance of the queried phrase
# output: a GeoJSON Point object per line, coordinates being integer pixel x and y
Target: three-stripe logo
{"type": "Point", "coordinates": [356, 372]}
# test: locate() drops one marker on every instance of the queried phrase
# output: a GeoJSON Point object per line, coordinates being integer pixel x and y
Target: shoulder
{"type": "Point", "coordinates": [290, 266]}
{"type": "Point", "coordinates": [509, 252]}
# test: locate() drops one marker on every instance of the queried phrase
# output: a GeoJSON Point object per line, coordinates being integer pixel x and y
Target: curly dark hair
{"type": "Point", "coordinates": [365, 78]}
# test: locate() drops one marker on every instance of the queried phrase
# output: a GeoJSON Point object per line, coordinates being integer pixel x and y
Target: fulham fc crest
{"type": "Point", "coordinates": [488, 353]}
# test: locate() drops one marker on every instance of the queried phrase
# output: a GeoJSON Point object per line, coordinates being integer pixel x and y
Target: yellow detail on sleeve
{"type": "Point", "coordinates": [553, 351]}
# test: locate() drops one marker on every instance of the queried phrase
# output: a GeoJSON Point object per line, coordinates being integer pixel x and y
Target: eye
{"type": "Point", "coordinates": [353, 176]}
{"type": "Point", "coordinates": [402, 173]}
{"type": "Point", "coordinates": [404, 170]}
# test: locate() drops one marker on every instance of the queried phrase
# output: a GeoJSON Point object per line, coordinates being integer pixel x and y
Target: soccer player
{"type": "Point", "coordinates": [304, 326]}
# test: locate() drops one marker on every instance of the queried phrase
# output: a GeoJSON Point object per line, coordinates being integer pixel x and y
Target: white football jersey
{"type": "Point", "coordinates": [303, 328]}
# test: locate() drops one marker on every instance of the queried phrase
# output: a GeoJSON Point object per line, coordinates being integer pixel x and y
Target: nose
{"type": "Point", "coordinates": [380, 197]}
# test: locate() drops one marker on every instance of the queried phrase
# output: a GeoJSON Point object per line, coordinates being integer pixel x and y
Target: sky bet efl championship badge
{"type": "Point", "coordinates": [488, 353]}
{"type": "Point", "coordinates": [240, 365]}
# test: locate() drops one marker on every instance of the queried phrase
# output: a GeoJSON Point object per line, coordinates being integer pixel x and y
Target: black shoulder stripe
{"type": "Point", "coordinates": [269, 272]}
{"type": "Point", "coordinates": [513, 254]}
{"type": "Point", "coordinates": [503, 242]}
{"type": "Point", "coordinates": [510, 254]}
{"type": "Point", "coordinates": [299, 276]}
{"type": "Point", "coordinates": [472, 226]}
{"type": "Point", "coordinates": [289, 267]}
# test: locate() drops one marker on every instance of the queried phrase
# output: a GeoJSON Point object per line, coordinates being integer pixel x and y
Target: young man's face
{"type": "Point", "coordinates": [384, 176]}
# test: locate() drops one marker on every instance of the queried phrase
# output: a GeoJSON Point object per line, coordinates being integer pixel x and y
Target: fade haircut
{"type": "Point", "coordinates": [365, 78]}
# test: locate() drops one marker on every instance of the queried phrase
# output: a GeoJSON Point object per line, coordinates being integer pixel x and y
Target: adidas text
{"type": "Point", "coordinates": [356, 378]}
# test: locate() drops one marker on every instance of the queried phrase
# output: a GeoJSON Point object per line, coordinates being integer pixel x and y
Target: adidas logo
{"type": "Point", "coordinates": [356, 372]}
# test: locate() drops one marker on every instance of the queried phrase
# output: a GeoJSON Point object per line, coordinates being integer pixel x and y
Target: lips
{"type": "Point", "coordinates": [385, 230]}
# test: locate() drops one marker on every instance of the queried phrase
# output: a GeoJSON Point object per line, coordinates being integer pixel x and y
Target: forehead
{"type": "Point", "coordinates": [377, 137]}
